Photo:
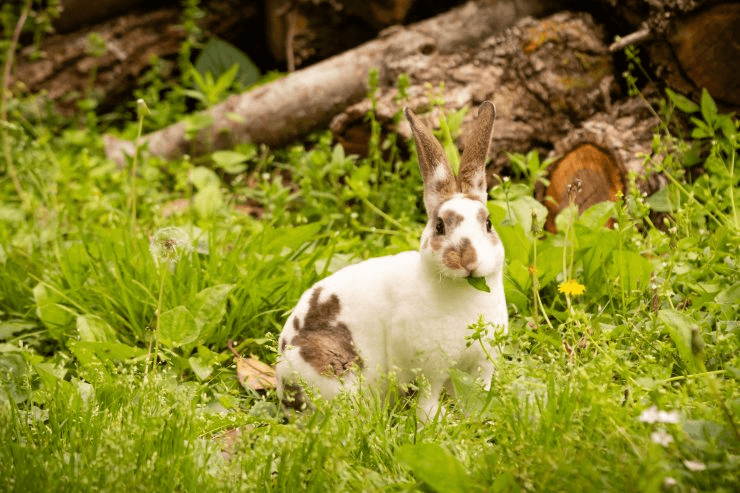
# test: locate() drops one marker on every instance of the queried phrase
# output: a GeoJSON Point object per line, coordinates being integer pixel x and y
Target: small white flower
{"type": "Point", "coordinates": [694, 465]}
{"type": "Point", "coordinates": [661, 437]}
{"type": "Point", "coordinates": [654, 415]}
{"type": "Point", "coordinates": [669, 481]}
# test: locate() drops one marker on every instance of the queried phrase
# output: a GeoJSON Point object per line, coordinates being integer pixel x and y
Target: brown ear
{"type": "Point", "coordinates": [439, 181]}
{"type": "Point", "coordinates": [471, 180]}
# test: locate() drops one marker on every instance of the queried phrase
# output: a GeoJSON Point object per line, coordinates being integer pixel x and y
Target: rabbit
{"type": "Point", "coordinates": [407, 313]}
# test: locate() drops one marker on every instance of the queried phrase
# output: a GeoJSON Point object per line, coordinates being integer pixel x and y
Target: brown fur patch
{"type": "Point", "coordinates": [482, 216]}
{"type": "Point", "coordinates": [325, 343]}
{"type": "Point", "coordinates": [283, 343]}
{"type": "Point", "coordinates": [462, 257]}
{"type": "Point", "coordinates": [452, 220]}
{"type": "Point", "coordinates": [437, 242]}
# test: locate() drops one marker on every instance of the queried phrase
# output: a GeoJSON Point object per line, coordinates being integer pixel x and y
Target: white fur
{"type": "Point", "coordinates": [405, 317]}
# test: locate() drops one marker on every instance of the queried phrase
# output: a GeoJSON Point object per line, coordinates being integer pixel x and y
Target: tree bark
{"type": "Point", "coordinates": [69, 70]}
{"type": "Point", "coordinates": [76, 14]}
{"type": "Point", "coordinates": [284, 110]}
{"type": "Point", "coordinates": [553, 84]}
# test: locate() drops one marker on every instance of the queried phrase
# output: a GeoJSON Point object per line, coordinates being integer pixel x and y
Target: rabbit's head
{"type": "Point", "coordinates": [458, 240]}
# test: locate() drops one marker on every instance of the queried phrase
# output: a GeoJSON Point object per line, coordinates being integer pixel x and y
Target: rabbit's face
{"type": "Point", "coordinates": [459, 241]}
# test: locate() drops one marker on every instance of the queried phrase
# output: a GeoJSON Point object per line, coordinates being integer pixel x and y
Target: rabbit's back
{"type": "Point", "coordinates": [385, 314]}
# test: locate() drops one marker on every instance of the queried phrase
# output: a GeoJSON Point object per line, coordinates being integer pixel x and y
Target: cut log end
{"type": "Point", "coordinates": [586, 175]}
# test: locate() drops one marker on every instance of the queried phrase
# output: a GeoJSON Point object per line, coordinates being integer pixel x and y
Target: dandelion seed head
{"type": "Point", "coordinates": [169, 244]}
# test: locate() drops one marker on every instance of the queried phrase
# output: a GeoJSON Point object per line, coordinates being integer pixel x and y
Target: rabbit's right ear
{"type": "Point", "coordinates": [439, 181]}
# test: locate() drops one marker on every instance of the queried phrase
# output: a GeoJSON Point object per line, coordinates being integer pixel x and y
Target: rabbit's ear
{"type": "Point", "coordinates": [471, 180]}
{"type": "Point", "coordinates": [439, 181]}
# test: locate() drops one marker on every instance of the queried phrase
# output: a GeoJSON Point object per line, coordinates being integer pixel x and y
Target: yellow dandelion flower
{"type": "Point", "coordinates": [571, 287]}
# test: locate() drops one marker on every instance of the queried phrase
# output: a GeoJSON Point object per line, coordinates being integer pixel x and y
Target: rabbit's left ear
{"type": "Point", "coordinates": [471, 180]}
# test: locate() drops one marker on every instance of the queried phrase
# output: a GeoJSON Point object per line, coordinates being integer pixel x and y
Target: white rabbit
{"type": "Point", "coordinates": [407, 313]}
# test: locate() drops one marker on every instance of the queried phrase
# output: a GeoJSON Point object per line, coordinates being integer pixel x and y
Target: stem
{"type": "Point", "coordinates": [535, 283]}
{"type": "Point", "coordinates": [3, 110]}
{"type": "Point", "coordinates": [155, 337]}
{"type": "Point", "coordinates": [732, 182]}
{"type": "Point", "coordinates": [382, 214]}
{"type": "Point", "coordinates": [691, 197]}
{"type": "Point", "coordinates": [133, 171]}
{"type": "Point", "coordinates": [544, 313]}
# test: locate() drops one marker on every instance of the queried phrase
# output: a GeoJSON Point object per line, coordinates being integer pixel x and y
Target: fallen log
{"type": "Point", "coordinates": [544, 76]}
{"type": "Point", "coordinates": [71, 68]}
{"type": "Point", "coordinates": [285, 109]}
{"type": "Point", "coordinates": [595, 160]}
{"type": "Point", "coordinates": [75, 14]}
{"type": "Point", "coordinates": [553, 84]}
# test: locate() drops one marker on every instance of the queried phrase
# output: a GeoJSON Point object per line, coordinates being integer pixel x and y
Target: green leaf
{"type": "Point", "coordinates": [202, 364]}
{"type": "Point", "coordinates": [667, 199]}
{"type": "Point", "coordinates": [54, 316]}
{"type": "Point", "coordinates": [202, 177]}
{"type": "Point", "coordinates": [178, 327]}
{"type": "Point", "coordinates": [209, 307]}
{"type": "Point", "coordinates": [231, 161]}
{"type": "Point", "coordinates": [114, 351]}
{"type": "Point", "coordinates": [435, 466]}
{"type": "Point", "coordinates": [468, 392]}
{"type": "Point", "coordinates": [92, 328]}
{"type": "Point", "coordinates": [286, 240]}
{"type": "Point", "coordinates": [218, 56]}
{"type": "Point", "coordinates": [730, 295]}
{"type": "Point", "coordinates": [208, 201]}
{"type": "Point", "coordinates": [708, 108]}
{"type": "Point", "coordinates": [727, 125]}
{"type": "Point", "coordinates": [14, 377]}
{"type": "Point", "coordinates": [679, 329]}
{"type": "Point", "coordinates": [478, 283]}
{"type": "Point", "coordinates": [596, 216]}
{"type": "Point", "coordinates": [682, 102]}
{"type": "Point", "coordinates": [633, 269]}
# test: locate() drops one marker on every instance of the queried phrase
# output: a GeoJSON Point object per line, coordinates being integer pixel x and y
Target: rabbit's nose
{"type": "Point", "coordinates": [468, 258]}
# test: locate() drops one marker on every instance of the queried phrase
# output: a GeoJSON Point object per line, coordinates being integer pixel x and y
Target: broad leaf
{"type": "Point", "coordinates": [679, 328]}
{"type": "Point", "coordinates": [92, 328]}
{"type": "Point", "coordinates": [209, 307]}
{"type": "Point", "coordinates": [682, 102]}
{"type": "Point", "coordinates": [708, 107]}
{"type": "Point", "coordinates": [218, 56]}
{"type": "Point", "coordinates": [54, 316]}
{"type": "Point", "coordinates": [435, 466]}
{"type": "Point", "coordinates": [478, 283]}
{"type": "Point", "coordinates": [178, 327]}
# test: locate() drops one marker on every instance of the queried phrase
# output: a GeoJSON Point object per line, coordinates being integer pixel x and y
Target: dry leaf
{"type": "Point", "coordinates": [254, 374]}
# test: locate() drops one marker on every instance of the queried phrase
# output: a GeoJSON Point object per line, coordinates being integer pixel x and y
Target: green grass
{"type": "Point", "coordinates": [115, 373]}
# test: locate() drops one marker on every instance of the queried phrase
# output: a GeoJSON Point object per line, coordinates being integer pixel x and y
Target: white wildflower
{"type": "Point", "coordinates": [661, 437]}
{"type": "Point", "coordinates": [669, 481]}
{"type": "Point", "coordinates": [694, 465]}
{"type": "Point", "coordinates": [654, 415]}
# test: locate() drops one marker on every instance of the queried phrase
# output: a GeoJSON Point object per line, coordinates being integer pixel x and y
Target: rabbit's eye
{"type": "Point", "coordinates": [488, 224]}
{"type": "Point", "coordinates": [440, 228]}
